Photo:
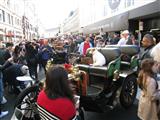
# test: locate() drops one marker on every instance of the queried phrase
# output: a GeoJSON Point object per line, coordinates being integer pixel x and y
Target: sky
{"type": "Point", "coordinates": [53, 12]}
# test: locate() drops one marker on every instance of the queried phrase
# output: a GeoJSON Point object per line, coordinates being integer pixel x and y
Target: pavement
{"type": "Point", "coordinates": [117, 113]}
{"type": "Point", "coordinates": [11, 98]}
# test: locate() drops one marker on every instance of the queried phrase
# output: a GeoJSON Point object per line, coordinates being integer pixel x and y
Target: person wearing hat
{"type": "Point", "coordinates": [124, 38]}
{"type": "Point", "coordinates": [100, 43]}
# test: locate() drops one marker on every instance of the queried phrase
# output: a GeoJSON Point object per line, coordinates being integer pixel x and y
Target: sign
{"type": "Point", "coordinates": [109, 24]}
{"type": "Point", "coordinates": [140, 25]}
{"type": "Point", "coordinates": [97, 10]}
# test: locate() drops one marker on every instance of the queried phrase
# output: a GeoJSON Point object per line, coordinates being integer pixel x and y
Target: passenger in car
{"type": "Point", "coordinates": [98, 58]}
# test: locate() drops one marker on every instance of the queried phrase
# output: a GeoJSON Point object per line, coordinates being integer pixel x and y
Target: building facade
{"type": "Point", "coordinates": [71, 24]}
{"type": "Point", "coordinates": [116, 15]}
{"type": "Point", "coordinates": [10, 22]}
{"type": "Point", "coordinates": [53, 32]}
{"type": "Point", "coordinates": [14, 24]}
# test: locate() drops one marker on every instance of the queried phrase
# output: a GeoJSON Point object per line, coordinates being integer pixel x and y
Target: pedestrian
{"type": "Point", "coordinates": [32, 59]}
{"type": "Point", "coordinates": [8, 51]}
{"type": "Point", "coordinates": [132, 40]}
{"type": "Point", "coordinates": [155, 52]}
{"type": "Point", "coordinates": [45, 53]}
{"type": "Point", "coordinates": [57, 96]}
{"type": "Point", "coordinates": [115, 39]}
{"type": "Point", "coordinates": [150, 94]}
{"type": "Point", "coordinates": [84, 46]}
{"type": "Point", "coordinates": [148, 44]}
{"type": "Point", "coordinates": [100, 43]}
{"type": "Point", "coordinates": [2, 99]}
{"type": "Point", "coordinates": [124, 38]}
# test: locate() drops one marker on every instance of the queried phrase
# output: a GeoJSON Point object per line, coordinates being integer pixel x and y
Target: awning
{"type": "Point", "coordinates": [115, 23]}
{"type": "Point", "coordinates": [10, 35]}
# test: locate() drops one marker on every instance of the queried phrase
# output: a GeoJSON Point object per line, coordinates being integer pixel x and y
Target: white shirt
{"type": "Point", "coordinates": [155, 52]}
{"type": "Point", "coordinates": [98, 59]}
{"type": "Point", "coordinates": [122, 41]}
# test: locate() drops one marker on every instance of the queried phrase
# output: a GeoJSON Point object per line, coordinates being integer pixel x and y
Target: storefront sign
{"type": "Point", "coordinates": [140, 25]}
{"type": "Point", "coordinates": [97, 10]}
{"type": "Point", "coordinates": [116, 23]}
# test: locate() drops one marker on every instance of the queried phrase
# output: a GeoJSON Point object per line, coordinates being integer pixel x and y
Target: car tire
{"type": "Point", "coordinates": [128, 91]}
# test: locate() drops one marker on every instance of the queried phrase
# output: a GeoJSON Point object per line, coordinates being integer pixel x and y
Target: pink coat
{"type": "Point", "coordinates": [147, 108]}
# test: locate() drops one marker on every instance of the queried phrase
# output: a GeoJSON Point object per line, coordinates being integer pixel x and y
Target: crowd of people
{"type": "Point", "coordinates": [16, 59]}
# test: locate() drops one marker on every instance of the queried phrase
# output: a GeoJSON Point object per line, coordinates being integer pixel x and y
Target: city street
{"type": "Point", "coordinates": [11, 98]}
{"type": "Point", "coordinates": [115, 114]}
{"type": "Point", "coordinates": [106, 47]}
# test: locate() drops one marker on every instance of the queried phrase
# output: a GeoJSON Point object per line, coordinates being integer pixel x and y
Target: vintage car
{"type": "Point", "coordinates": [101, 88]}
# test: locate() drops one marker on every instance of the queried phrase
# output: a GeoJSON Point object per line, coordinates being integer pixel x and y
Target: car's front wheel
{"type": "Point", "coordinates": [129, 91]}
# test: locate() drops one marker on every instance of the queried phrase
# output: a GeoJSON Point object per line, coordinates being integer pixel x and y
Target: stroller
{"type": "Point", "coordinates": [10, 73]}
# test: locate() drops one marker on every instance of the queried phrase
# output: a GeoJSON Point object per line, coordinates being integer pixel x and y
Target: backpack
{"type": "Point", "coordinates": [46, 54]}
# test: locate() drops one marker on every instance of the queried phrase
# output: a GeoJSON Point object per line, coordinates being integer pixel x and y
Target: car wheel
{"type": "Point", "coordinates": [129, 91]}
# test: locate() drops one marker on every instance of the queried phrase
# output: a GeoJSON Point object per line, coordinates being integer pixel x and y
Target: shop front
{"type": "Point", "coordinates": [117, 15]}
{"type": "Point", "coordinates": [9, 36]}
{"type": "Point", "coordinates": [1, 35]}
{"type": "Point", "coordinates": [146, 19]}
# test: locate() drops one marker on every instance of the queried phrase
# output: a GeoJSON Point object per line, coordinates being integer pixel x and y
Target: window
{"type": "Point", "coordinates": [11, 20]}
{"type": "Point", "coordinates": [15, 21]}
{"type": "Point", "coordinates": [3, 13]}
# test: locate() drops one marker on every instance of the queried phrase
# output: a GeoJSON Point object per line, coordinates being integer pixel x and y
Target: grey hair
{"type": "Point", "coordinates": [149, 37]}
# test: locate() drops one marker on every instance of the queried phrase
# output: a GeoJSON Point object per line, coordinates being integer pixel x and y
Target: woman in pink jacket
{"type": "Point", "coordinates": [150, 94]}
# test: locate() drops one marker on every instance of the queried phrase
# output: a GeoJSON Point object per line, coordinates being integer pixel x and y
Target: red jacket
{"type": "Point", "coordinates": [63, 108]}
